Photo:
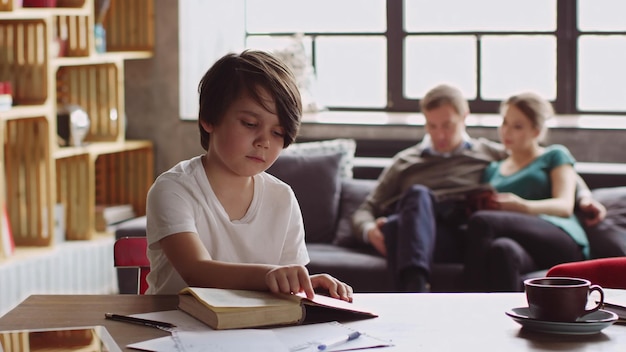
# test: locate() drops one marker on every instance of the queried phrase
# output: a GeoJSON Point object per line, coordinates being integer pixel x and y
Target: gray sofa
{"type": "Point", "coordinates": [328, 198]}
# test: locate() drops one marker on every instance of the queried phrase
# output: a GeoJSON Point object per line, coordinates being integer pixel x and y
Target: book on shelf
{"type": "Point", "coordinates": [237, 309]}
{"type": "Point", "coordinates": [110, 215]}
{"type": "Point", "coordinates": [615, 301]}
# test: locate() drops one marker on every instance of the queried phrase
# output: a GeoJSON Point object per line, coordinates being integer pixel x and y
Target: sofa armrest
{"type": "Point", "coordinates": [353, 193]}
{"type": "Point", "coordinates": [608, 238]}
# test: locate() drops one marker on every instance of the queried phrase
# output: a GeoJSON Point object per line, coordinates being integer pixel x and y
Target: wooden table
{"type": "Point", "coordinates": [415, 322]}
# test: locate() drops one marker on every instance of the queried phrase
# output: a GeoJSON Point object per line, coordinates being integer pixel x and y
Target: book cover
{"type": "Point", "coordinates": [463, 193]}
{"type": "Point", "coordinates": [235, 309]}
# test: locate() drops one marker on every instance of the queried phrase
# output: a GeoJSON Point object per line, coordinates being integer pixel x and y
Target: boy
{"type": "Point", "coordinates": [218, 220]}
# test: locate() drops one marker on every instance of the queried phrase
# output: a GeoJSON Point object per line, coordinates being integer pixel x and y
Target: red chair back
{"type": "Point", "coordinates": [130, 252]}
{"type": "Point", "coordinates": [606, 272]}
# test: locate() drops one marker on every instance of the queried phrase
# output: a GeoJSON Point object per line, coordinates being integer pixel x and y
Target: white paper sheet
{"type": "Point", "coordinates": [305, 338]}
{"type": "Point", "coordinates": [191, 335]}
{"type": "Point", "coordinates": [223, 340]}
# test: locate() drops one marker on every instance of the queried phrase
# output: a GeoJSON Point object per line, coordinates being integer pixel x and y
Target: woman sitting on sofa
{"type": "Point", "coordinates": [532, 213]}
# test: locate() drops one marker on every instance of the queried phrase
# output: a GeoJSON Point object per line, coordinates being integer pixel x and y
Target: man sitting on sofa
{"type": "Point", "coordinates": [404, 220]}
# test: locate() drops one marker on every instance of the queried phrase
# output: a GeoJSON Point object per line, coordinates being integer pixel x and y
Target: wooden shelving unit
{"type": "Point", "coordinates": [36, 173]}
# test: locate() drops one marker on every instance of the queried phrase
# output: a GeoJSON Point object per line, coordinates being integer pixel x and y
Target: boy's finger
{"type": "Point", "coordinates": [305, 284]}
{"type": "Point", "coordinates": [272, 285]}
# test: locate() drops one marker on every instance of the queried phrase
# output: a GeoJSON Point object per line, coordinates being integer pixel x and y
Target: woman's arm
{"type": "Point", "coordinates": [563, 181]}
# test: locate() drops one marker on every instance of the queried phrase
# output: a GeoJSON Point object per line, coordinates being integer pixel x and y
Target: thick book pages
{"type": "Point", "coordinates": [233, 309]}
{"type": "Point", "coordinates": [615, 301]}
{"type": "Point", "coordinates": [236, 309]}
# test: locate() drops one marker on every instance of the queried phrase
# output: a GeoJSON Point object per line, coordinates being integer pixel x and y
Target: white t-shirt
{"type": "Point", "coordinates": [182, 200]}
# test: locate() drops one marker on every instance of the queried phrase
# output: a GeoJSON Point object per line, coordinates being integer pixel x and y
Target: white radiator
{"type": "Point", "coordinates": [73, 267]}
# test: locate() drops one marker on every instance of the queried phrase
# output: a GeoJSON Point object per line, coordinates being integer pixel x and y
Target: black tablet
{"type": "Point", "coordinates": [84, 339]}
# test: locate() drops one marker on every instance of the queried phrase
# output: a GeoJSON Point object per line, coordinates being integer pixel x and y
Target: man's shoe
{"type": "Point", "coordinates": [414, 280]}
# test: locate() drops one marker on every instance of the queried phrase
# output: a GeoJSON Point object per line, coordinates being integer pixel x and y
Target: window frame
{"type": "Point", "coordinates": [566, 35]}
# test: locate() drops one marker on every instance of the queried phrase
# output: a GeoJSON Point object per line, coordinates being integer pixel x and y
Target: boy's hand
{"type": "Point", "coordinates": [289, 279]}
{"type": "Point", "coordinates": [336, 288]}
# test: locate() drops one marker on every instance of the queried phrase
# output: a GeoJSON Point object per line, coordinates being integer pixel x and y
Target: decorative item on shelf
{"type": "Point", "coordinates": [294, 54]}
{"type": "Point", "coordinates": [6, 96]}
{"type": "Point", "coordinates": [72, 125]}
{"type": "Point", "coordinates": [101, 8]}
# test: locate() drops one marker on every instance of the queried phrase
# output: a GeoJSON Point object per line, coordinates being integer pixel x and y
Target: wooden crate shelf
{"type": "Point", "coordinates": [28, 174]}
{"type": "Point", "coordinates": [75, 33]}
{"type": "Point", "coordinates": [102, 173]}
{"type": "Point", "coordinates": [74, 178]}
{"type": "Point", "coordinates": [129, 25]}
{"type": "Point", "coordinates": [6, 5]}
{"type": "Point", "coordinates": [35, 173]}
{"type": "Point", "coordinates": [24, 63]}
{"type": "Point", "coordinates": [96, 89]}
{"type": "Point", "coordinates": [125, 177]}
{"type": "Point", "coordinates": [71, 3]}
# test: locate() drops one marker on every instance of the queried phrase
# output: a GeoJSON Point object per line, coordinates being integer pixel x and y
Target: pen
{"type": "Point", "coordinates": [140, 321]}
{"type": "Point", "coordinates": [338, 341]}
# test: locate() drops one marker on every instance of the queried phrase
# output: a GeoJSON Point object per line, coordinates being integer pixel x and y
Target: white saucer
{"type": "Point", "coordinates": [591, 323]}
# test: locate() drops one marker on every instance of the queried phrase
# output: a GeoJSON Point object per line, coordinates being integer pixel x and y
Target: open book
{"type": "Point", "coordinates": [235, 309]}
{"type": "Point", "coordinates": [474, 197]}
{"type": "Point", "coordinates": [615, 301]}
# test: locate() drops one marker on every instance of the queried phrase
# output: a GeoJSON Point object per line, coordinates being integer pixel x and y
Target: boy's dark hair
{"type": "Point", "coordinates": [236, 74]}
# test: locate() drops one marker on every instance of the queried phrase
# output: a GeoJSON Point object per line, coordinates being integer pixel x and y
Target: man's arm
{"type": "Point", "coordinates": [364, 218]}
{"type": "Point", "coordinates": [592, 211]}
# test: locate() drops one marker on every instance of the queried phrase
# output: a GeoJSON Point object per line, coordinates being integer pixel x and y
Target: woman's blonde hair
{"type": "Point", "coordinates": [537, 109]}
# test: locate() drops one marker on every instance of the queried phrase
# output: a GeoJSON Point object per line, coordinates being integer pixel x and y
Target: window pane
{"type": "Point", "coordinates": [432, 60]}
{"type": "Point", "coordinates": [479, 15]}
{"type": "Point", "coordinates": [601, 73]}
{"type": "Point", "coordinates": [601, 15]}
{"type": "Point", "coordinates": [352, 71]}
{"type": "Point", "coordinates": [512, 64]}
{"type": "Point", "coordinates": [271, 43]}
{"type": "Point", "coordinates": [207, 31]}
{"type": "Point", "coordinates": [293, 16]}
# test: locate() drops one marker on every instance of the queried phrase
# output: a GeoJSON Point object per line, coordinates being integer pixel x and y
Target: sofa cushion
{"type": "Point", "coordinates": [316, 183]}
{"type": "Point", "coordinates": [345, 147]}
{"type": "Point", "coordinates": [608, 238]}
{"type": "Point", "coordinates": [361, 268]}
{"type": "Point", "coordinates": [353, 193]}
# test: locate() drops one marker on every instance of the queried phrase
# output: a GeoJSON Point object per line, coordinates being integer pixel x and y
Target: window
{"type": "Point", "coordinates": [490, 49]}
{"type": "Point", "coordinates": [384, 55]}
{"type": "Point", "coordinates": [345, 41]}
{"type": "Point", "coordinates": [601, 56]}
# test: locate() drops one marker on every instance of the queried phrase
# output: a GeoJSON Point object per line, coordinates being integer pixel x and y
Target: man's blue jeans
{"type": "Point", "coordinates": [417, 234]}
